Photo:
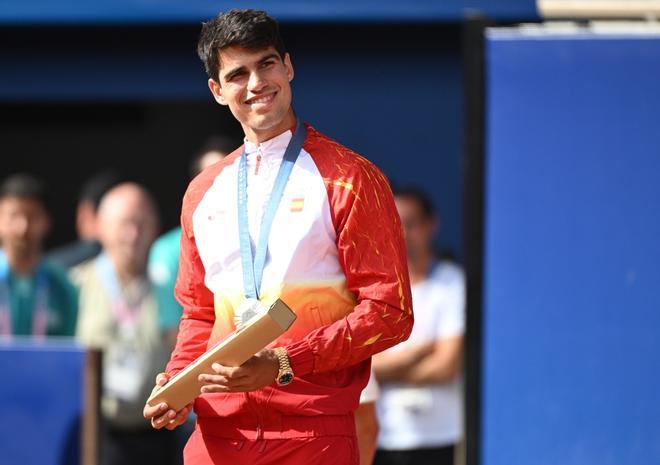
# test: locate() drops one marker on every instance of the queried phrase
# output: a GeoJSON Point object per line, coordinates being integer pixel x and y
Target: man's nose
{"type": "Point", "coordinates": [256, 82]}
{"type": "Point", "coordinates": [131, 233]}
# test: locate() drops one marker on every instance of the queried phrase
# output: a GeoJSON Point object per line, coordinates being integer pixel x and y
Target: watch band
{"type": "Point", "coordinates": [285, 374]}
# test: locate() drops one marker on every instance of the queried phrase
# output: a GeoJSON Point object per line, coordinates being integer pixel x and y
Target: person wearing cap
{"type": "Point", "coordinates": [294, 215]}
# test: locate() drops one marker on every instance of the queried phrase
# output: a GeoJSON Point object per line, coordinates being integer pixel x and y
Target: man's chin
{"type": "Point", "coordinates": [268, 120]}
{"type": "Point", "coordinates": [264, 122]}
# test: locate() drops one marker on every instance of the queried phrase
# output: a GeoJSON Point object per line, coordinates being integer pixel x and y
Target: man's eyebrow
{"type": "Point", "coordinates": [233, 72]}
{"type": "Point", "coordinates": [262, 60]}
{"type": "Point", "coordinates": [270, 56]}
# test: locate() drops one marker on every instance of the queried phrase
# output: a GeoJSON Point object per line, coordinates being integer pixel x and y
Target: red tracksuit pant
{"type": "Point", "coordinates": [322, 440]}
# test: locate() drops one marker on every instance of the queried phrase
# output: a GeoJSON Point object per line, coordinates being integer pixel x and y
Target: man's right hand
{"type": "Point", "coordinates": [161, 415]}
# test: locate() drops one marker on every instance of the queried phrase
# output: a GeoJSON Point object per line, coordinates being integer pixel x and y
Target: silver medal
{"type": "Point", "coordinates": [248, 309]}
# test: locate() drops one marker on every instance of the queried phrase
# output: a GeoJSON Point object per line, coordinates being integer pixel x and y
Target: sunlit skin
{"type": "Point", "coordinates": [366, 429]}
{"type": "Point", "coordinates": [255, 85]}
{"type": "Point", "coordinates": [418, 232]}
{"type": "Point", "coordinates": [24, 224]}
{"type": "Point", "coordinates": [86, 224]}
{"type": "Point", "coordinates": [128, 225]}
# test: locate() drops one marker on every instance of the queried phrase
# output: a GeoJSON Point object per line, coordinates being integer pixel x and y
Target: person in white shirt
{"type": "Point", "coordinates": [420, 406]}
{"type": "Point", "coordinates": [366, 421]}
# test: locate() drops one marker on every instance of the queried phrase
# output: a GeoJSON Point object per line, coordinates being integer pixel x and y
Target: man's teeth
{"type": "Point", "coordinates": [262, 99]}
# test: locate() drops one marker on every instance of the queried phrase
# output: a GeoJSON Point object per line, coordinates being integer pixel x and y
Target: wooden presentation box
{"type": "Point", "coordinates": [233, 350]}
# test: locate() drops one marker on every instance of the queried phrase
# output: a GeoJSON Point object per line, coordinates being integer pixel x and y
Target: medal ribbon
{"type": "Point", "coordinates": [125, 312]}
{"type": "Point", "coordinates": [253, 267]}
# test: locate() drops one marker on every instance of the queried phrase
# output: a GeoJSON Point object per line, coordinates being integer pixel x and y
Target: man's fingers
{"type": "Point", "coordinates": [150, 412]}
{"type": "Point", "coordinates": [161, 379]}
{"type": "Point", "coordinates": [222, 384]}
{"type": "Point", "coordinates": [161, 415]}
{"type": "Point", "coordinates": [240, 386]}
{"type": "Point", "coordinates": [163, 420]}
{"type": "Point", "coordinates": [229, 372]}
{"type": "Point", "coordinates": [180, 418]}
{"type": "Point", "coordinates": [214, 379]}
{"type": "Point", "coordinates": [211, 388]}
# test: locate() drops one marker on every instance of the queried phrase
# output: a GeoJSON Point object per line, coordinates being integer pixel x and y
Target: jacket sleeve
{"type": "Point", "coordinates": [196, 299]}
{"type": "Point", "coordinates": [372, 255]}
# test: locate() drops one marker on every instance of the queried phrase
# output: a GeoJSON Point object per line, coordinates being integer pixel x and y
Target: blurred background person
{"type": "Point", "coordinates": [366, 421]}
{"type": "Point", "coordinates": [420, 408]}
{"type": "Point", "coordinates": [87, 246]}
{"type": "Point", "coordinates": [214, 149]}
{"type": "Point", "coordinates": [36, 298]}
{"type": "Point", "coordinates": [119, 314]}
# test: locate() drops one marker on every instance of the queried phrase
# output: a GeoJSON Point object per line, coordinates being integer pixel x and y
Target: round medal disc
{"type": "Point", "coordinates": [248, 309]}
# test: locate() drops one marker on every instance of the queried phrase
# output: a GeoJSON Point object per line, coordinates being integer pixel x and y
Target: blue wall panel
{"type": "Point", "coordinates": [163, 11]}
{"type": "Point", "coordinates": [42, 393]}
{"type": "Point", "coordinates": [571, 354]}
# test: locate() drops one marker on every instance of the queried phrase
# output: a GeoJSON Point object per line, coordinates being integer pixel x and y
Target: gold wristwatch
{"type": "Point", "coordinates": [285, 375]}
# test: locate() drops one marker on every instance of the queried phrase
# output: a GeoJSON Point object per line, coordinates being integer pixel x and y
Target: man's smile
{"type": "Point", "coordinates": [263, 99]}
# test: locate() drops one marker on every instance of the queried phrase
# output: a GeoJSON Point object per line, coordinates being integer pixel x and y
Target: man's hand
{"type": "Point", "coordinates": [259, 371]}
{"type": "Point", "coordinates": [395, 365]}
{"type": "Point", "coordinates": [161, 415]}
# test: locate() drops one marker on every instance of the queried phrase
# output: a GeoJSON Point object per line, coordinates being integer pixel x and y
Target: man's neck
{"type": "Point", "coordinates": [23, 262]}
{"type": "Point", "coordinates": [257, 136]}
{"type": "Point", "coordinates": [418, 266]}
{"type": "Point", "coordinates": [125, 273]}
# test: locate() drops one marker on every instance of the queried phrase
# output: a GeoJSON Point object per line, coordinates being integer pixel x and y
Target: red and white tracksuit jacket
{"type": "Point", "coordinates": [335, 256]}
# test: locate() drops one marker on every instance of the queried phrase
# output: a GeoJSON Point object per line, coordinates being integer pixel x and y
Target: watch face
{"type": "Point", "coordinates": [285, 379]}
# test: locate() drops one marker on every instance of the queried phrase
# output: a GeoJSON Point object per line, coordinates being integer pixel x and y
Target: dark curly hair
{"type": "Point", "coordinates": [251, 29]}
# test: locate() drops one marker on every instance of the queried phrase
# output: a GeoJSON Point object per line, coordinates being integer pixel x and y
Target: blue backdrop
{"type": "Point", "coordinates": [571, 354]}
{"type": "Point", "coordinates": [391, 92]}
{"type": "Point", "coordinates": [161, 11]}
{"type": "Point", "coordinates": [42, 390]}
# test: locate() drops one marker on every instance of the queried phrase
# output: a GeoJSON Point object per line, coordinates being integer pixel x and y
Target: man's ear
{"type": "Point", "coordinates": [216, 90]}
{"type": "Point", "coordinates": [288, 66]}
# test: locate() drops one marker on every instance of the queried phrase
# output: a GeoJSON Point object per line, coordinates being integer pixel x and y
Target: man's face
{"type": "Point", "coordinates": [23, 224]}
{"type": "Point", "coordinates": [255, 84]}
{"type": "Point", "coordinates": [418, 229]}
{"type": "Point", "coordinates": [127, 228]}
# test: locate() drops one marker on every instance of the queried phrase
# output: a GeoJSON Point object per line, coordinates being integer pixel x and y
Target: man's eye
{"type": "Point", "coordinates": [266, 64]}
{"type": "Point", "coordinates": [235, 76]}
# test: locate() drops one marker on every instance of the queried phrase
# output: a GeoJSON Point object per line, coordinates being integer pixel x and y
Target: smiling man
{"type": "Point", "coordinates": [291, 215]}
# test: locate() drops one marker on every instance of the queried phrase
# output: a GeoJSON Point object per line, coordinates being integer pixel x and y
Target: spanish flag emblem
{"type": "Point", "coordinates": [297, 204]}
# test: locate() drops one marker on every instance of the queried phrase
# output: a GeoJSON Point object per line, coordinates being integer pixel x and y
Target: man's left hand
{"type": "Point", "coordinates": [259, 371]}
